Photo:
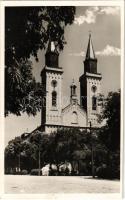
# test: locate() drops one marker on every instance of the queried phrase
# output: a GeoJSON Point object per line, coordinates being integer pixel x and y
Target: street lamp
{"type": "Point", "coordinates": [92, 152]}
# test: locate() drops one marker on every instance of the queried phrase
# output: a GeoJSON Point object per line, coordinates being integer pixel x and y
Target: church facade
{"type": "Point", "coordinates": [54, 115]}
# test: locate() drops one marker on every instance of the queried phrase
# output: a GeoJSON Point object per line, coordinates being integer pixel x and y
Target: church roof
{"type": "Point", "coordinates": [90, 50]}
{"type": "Point", "coordinates": [77, 106]}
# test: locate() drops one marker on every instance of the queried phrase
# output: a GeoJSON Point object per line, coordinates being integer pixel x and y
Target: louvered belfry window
{"type": "Point", "coordinates": [94, 103]}
{"type": "Point", "coordinates": [54, 99]}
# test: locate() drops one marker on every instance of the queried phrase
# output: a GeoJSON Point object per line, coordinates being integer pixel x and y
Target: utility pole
{"type": "Point", "coordinates": [19, 163]}
{"type": "Point", "coordinates": [39, 161]}
{"type": "Point", "coordinates": [92, 152]}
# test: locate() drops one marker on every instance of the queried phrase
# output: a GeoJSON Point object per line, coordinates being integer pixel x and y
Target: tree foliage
{"type": "Point", "coordinates": [64, 146]}
{"type": "Point", "coordinates": [67, 145]}
{"type": "Point", "coordinates": [22, 92]}
{"type": "Point", "coordinates": [28, 29]}
{"type": "Point", "coordinates": [73, 146]}
{"type": "Point", "coordinates": [12, 153]}
{"type": "Point", "coordinates": [110, 133]}
{"type": "Point", "coordinates": [57, 148]}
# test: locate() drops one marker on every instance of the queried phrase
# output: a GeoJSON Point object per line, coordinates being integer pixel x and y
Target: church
{"type": "Point", "coordinates": [74, 115]}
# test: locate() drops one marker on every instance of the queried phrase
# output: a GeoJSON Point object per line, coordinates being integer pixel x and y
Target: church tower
{"type": "Point", "coordinates": [73, 96]}
{"type": "Point", "coordinates": [51, 77]}
{"type": "Point", "coordinates": [90, 85]}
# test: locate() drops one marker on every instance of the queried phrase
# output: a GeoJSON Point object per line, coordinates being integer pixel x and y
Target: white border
{"type": "Point", "coordinates": [1, 99]}
{"type": "Point", "coordinates": [64, 3]}
{"type": "Point", "coordinates": [54, 3]}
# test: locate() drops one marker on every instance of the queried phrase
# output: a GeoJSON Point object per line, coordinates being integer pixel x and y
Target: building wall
{"type": "Point", "coordinates": [51, 128]}
{"type": "Point", "coordinates": [92, 114]}
{"type": "Point", "coordinates": [74, 116]}
{"type": "Point", "coordinates": [52, 114]}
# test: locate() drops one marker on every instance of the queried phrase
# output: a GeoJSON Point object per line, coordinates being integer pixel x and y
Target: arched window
{"type": "Point", "coordinates": [54, 99]}
{"type": "Point", "coordinates": [94, 103]}
{"type": "Point", "coordinates": [74, 118]}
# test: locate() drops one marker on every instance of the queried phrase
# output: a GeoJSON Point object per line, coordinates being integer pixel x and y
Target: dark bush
{"type": "Point", "coordinates": [62, 172]}
{"type": "Point", "coordinates": [53, 172]}
{"type": "Point", "coordinates": [67, 172]}
{"type": "Point", "coordinates": [35, 172]}
{"type": "Point", "coordinates": [9, 171]}
{"type": "Point", "coordinates": [107, 172]}
{"type": "Point", "coordinates": [117, 173]}
{"type": "Point", "coordinates": [24, 172]}
{"type": "Point", "coordinates": [17, 173]}
{"type": "Point", "coordinates": [73, 173]}
{"type": "Point", "coordinates": [84, 170]}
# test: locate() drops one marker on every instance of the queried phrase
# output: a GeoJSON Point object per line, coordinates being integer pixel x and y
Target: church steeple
{"type": "Point", "coordinates": [52, 47]}
{"type": "Point", "coordinates": [90, 63]}
{"type": "Point", "coordinates": [51, 57]}
{"type": "Point", "coordinates": [73, 97]}
{"type": "Point", "coordinates": [90, 54]}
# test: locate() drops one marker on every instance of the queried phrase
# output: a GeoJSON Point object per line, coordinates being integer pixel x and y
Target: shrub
{"type": "Point", "coordinates": [62, 172]}
{"type": "Point", "coordinates": [73, 173]}
{"type": "Point", "coordinates": [84, 170]}
{"type": "Point", "coordinates": [16, 173]}
{"type": "Point", "coordinates": [53, 172]}
{"type": "Point", "coordinates": [117, 173]}
{"type": "Point", "coordinates": [24, 172]}
{"type": "Point", "coordinates": [35, 172]}
{"type": "Point", "coordinates": [107, 172]}
{"type": "Point", "coordinates": [67, 171]}
{"type": "Point", "coordinates": [9, 171]}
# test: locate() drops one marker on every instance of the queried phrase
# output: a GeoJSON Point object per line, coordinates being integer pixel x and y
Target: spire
{"type": "Point", "coordinates": [90, 50]}
{"type": "Point", "coordinates": [73, 83]}
{"type": "Point", "coordinates": [51, 56]}
{"type": "Point", "coordinates": [73, 97]}
{"type": "Point", "coordinates": [51, 47]}
{"type": "Point", "coordinates": [90, 62]}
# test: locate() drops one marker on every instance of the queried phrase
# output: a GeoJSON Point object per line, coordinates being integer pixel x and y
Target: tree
{"type": "Point", "coordinates": [28, 29]}
{"type": "Point", "coordinates": [9, 157]}
{"type": "Point", "coordinates": [110, 133]}
{"type": "Point", "coordinates": [22, 92]}
{"type": "Point", "coordinates": [40, 143]}
{"type": "Point", "coordinates": [68, 145]}
{"type": "Point", "coordinates": [13, 153]}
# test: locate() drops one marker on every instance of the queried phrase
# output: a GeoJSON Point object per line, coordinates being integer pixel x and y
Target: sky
{"type": "Point", "coordinates": [104, 24]}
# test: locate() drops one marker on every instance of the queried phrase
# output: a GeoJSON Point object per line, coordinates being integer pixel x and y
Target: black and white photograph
{"type": "Point", "coordinates": [62, 98]}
